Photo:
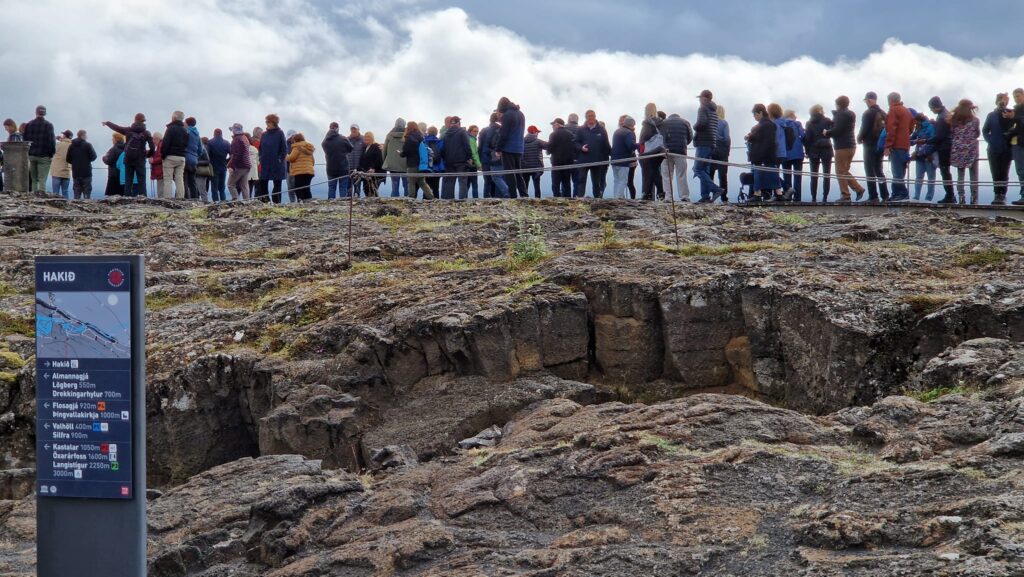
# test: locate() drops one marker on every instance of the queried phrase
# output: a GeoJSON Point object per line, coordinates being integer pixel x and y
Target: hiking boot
{"type": "Point", "coordinates": [1018, 202]}
{"type": "Point", "coordinates": [860, 194]}
{"type": "Point", "coordinates": [962, 199]}
{"type": "Point", "coordinates": [948, 199]}
{"type": "Point", "coordinates": [974, 198]}
{"type": "Point", "coordinates": [999, 200]}
{"type": "Point", "coordinates": [899, 197]}
{"type": "Point", "coordinates": [705, 201]}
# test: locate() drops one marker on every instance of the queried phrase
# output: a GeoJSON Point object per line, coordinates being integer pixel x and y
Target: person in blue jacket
{"type": "Point", "coordinates": [273, 150]}
{"type": "Point", "coordinates": [924, 156]}
{"type": "Point", "coordinates": [623, 150]}
{"type": "Point", "coordinates": [793, 181]}
{"type": "Point", "coordinates": [193, 149]}
{"type": "Point", "coordinates": [218, 148]}
{"type": "Point", "coordinates": [510, 145]}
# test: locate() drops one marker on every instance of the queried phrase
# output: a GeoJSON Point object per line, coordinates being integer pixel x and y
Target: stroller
{"type": "Point", "coordinates": [746, 186]}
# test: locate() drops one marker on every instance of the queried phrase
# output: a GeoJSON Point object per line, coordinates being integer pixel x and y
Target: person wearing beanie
{"type": "Point", "coordinates": [60, 170]}
{"type": "Point", "coordinates": [218, 148]}
{"type": "Point", "coordinates": [239, 163]}
{"type": "Point", "coordinates": [273, 150]}
{"type": "Point", "coordinates": [138, 147]}
{"type": "Point", "coordinates": [43, 145]}
{"type": "Point", "coordinates": [623, 155]}
{"type": "Point", "coordinates": [943, 144]}
{"type": "Point", "coordinates": [533, 158]}
{"type": "Point", "coordinates": [394, 164]}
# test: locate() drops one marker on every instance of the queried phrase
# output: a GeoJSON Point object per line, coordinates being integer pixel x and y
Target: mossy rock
{"type": "Point", "coordinates": [11, 360]}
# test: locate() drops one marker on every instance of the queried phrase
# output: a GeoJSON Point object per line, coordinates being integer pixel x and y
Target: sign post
{"type": "Point", "coordinates": [90, 417]}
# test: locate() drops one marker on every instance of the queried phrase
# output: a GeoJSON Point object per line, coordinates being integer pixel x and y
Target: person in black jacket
{"type": "Point", "coordinates": [562, 149]}
{"type": "Point", "coordinates": [337, 149]}
{"type": "Point", "coordinates": [592, 145]}
{"type": "Point", "coordinates": [411, 154]}
{"type": "Point", "coordinates": [818, 148]}
{"type": "Point", "coordinates": [762, 152]}
{"type": "Point", "coordinates": [457, 153]}
{"type": "Point", "coordinates": [533, 157]}
{"type": "Point", "coordinates": [371, 162]}
{"type": "Point", "coordinates": [1016, 136]}
{"type": "Point", "coordinates": [114, 185]}
{"type": "Point", "coordinates": [43, 145]}
{"type": "Point", "coordinates": [138, 147]}
{"type": "Point", "coordinates": [81, 155]}
{"type": "Point", "coordinates": [172, 150]}
{"type": "Point", "coordinates": [943, 143]}
{"type": "Point", "coordinates": [871, 125]}
{"type": "Point", "coordinates": [844, 124]}
{"type": "Point", "coordinates": [678, 134]}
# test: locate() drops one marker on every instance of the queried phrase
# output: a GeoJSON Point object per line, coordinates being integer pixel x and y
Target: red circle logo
{"type": "Point", "coordinates": [115, 278]}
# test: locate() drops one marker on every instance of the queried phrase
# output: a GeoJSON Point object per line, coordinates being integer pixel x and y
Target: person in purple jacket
{"type": "Point", "coordinates": [239, 163]}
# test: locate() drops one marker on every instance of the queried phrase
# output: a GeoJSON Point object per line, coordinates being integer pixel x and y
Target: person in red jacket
{"type": "Point", "coordinates": [898, 126]}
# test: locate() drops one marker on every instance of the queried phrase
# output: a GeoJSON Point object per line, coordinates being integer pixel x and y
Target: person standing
{"type": "Point", "coordinates": [43, 145]}
{"type": "Point", "coordinates": [871, 125]}
{"type": "Point", "coordinates": [677, 135]}
{"type": "Point", "coordinates": [844, 125]}
{"type": "Point", "coordinates": [495, 186]}
{"type": "Point", "coordinates": [371, 165]}
{"type": "Point", "coordinates": [943, 143]}
{"type": "Point", "coordinates": [474, 181]}
{"type": "Point", "coordinates": [394, 164]}
{"type": "Point", "coordinates": [510, 144]}
{"type": "Point", "coordinates": [413, 152]}
{"type": "Point", "coordinates": [218, 148]}
{"type": "Point", "coordinates": [651, 146]}
{"type": "Point", "coordinates": [762, 149]}
{"type": "Point", "coordinates": [562, 149]}
{"type": "Point", "coordinates": [819, 151]}
{"type": "Point", "coordinates": [925, 159]}
{"type": "Point", "coordinates": [337, 149]}
{"type": "Point", "coordinates": [300, 165]}
{"type": "Point", "coordinates": [705, 138]}
{"type": "Point", "coordinates": [60, 170]}
{"type": "Point", "coordinates": [899, 123]}
{"type": "Point", "coordinates": [457, 157]}
{"type": "Point", "coordinates": [623, 156]}
{"type": "Point", "coordinates": [723, 147]}
{"type": "Point", "coordinates": [999, 156]}
{"type": "Point", "coordinates": [193, 150]}
{"type": "Point", "coordinates": [964, 155]}
{"type": "Point", "coordinates": [138, 147]}
{"type": "Point", "coordinates": [156, 165]}
{"type": "Point", "coordinates": [433, 163]}
{"type": "Point", "coordinates": [793, 181]}
{"type": "Point", "coordinates": [1016, 134]}
{"type": "Point", "coordinates": [533, 158]}
{"type": "Point", "coordinates": [80, 156]}
{"type": "Point", "coordinates": [204, 170]}
{"type": "Point", "coordinates": [115, 180]}
{"type": "Point", "coordinates": [173, 148]}
{"type": "Point", "coordinates": [592, 146]}
{"type": "Point", "coordinates": [355, 138]}
{"type": "Point", "coordinates": [239, 162]}
{"type": "Point", "coordinates": [273, 150]}
{"type": "Point", "coordinates": [254, 162]}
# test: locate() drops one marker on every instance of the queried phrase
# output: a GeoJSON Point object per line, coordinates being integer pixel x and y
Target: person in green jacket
{"type": "Point", "coordinates": [474, 184]}
{"type": "Point", "coordinates": [393, 161]}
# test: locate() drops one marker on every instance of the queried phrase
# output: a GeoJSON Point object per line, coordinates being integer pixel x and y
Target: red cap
{"type": "Point", "coordinates": [533, 129]}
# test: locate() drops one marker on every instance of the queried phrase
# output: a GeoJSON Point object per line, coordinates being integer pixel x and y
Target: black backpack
{"type": "Point", "coordinates": [135, 148]}
{"type": "Point", "coordinates": [790, 136]}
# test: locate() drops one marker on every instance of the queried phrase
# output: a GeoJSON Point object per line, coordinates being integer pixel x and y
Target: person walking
{"type": "Point", "coordinates": [239, 163]}
{"type": "Point", "coordinates": [793, 180]}
{"type": "Point", "coordinates": [371, 165]}
{"type": "Point", "coordinates": [300, 166]}
{"type": "Point", "coordinates": [723, 147]}
{"type": "Point", "coordinates": [819, 152]}
{"type": "Point", "coordinates": [510, 144]}
{"type": "Point", "coordinates": [999, 157]}
{"type": "Point", "coordinates": [677, 134]}
{"type": "Point", "coordinates": [705, 137]}
{"type": "Point", "coordinates": [394, 164]}
{"type": "Point", "coordinates": [623, 156]}
{"type": "Point", "coordinates": [218, 148]}
{"type": "Point", "coordinates": [964, 156]}
{"type": "Point", "coordinates": [43, 145]}
{"type": "Point", "coordinates": [844, 125]}
{"type": "Point", "coordinates": [115, 181]}
{"type": "Point", "coordinates": [651, 145]}
{"type": "Point", "coordinates": [355, 138]}
{"type": "Point", "coordinates": [925, 157]}
{"type": "Point", "coordinates": [899, 123]}
{"type": "Point", "coordinates": [80, 156]}
{"type": "Point", "coordinates": [562, 149]}
{"type": "Point", "coordinates": [60, 170]}
{"type": "Point", "coordinates": [156, 165]}
{"type": "Point", "coordinates": [943, 143]}
{"type": "Point", "coordinates": [337, 151]}
{"type": "Point", "coordinates": [172, 148]}
{"type": "Point", "coordinates": [763, 147]}
{"type": "Point", "coordinates": [871, 126]}
{"type": "Point", "coordinates": [273, 150]}
{"type": "Point", "coordinates": [495, 186]}
{"type": "Point", "coordinates": [413, 151]}
{"type": "Point", "coordinates": [457, 158]}
{"type": "Point", "coordinates": [592, 146]}
{"type": "Point", "coordinates": [474, 181]}
{"type": "Point", "coordinates": [138, 147]}
{"type": "Point", "coordinates": [533, 158]}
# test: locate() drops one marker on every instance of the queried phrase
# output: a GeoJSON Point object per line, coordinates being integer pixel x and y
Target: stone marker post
{"type": "Point", "coordinates": [15, 166]}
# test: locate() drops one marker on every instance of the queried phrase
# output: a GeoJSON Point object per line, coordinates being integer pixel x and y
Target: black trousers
{"type": "Point", "coordinates": [133, 171]}
{"type": "Point", "coordinates": [561, 183]}
{"type": "Point", "coordinates": [629, 182]}
{"type": "Point", "coordinates": [191, 186]}
{"type": "Point", "coordinates": [516, 182]}
{"type": "Point", "coordinates": [999, 163]}
{"type": "Point", "coordinates": [650, 178]}
{"type": "Point", "coordinates": [264, 194]}
{"type": "Point", "coordinates": [947, 175]}
{"type": "Point", "coordinates": [597, 174]}
{"type": "Point", "coordinates": [826, 183]}
{"type": "Point", "coordinates": [873, 169]}
{"type": "Point", "coordinates": [534, 177]}
{"type": "Point", "coordinates": [302, 189]}
{"type": "Point", "coordinates": [722, 171]}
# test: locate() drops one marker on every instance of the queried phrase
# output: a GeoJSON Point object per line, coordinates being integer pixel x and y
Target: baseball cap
{"type": "Point", "coordinates": [558, 121]}
{"type": "Point", "coordinates": [455, 120]}
{"type": "Point", "coordinates": [532, 129]}
{"type": "Point", "coordinates": [870, 96]}
{"type": "Point", "coordinates": [356, 126]}
{"type": "Point", "coordinates": [67, 134]}
{"type": "Point", "coordinates": [705, 94]}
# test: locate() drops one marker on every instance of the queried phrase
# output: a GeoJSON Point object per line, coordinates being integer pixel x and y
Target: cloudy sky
{"type": "Point", "coordinates": [366, 61]}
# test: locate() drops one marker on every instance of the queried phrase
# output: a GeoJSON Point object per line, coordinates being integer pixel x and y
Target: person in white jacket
{"type": "Point", "coordinates": [254, 168]}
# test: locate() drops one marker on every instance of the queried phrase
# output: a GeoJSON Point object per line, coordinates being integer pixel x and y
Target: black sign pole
{"type": "Point", "coordinates": [90, 356]}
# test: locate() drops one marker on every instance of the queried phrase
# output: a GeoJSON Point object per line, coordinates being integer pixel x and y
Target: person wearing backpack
{"type": "Point", "coordinates": [413, 152]}
{"type": "Point", "coordinates": [138, 147]}
{"type": "Point", "coordinates": [793, 181]}
{"type": "Point", "coordinates": [871, 125]}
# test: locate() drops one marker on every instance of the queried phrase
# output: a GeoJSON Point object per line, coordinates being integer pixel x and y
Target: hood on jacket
{"type": "Point", "coordinates": [304, 146]}
{"type": "Point", "coordinates": [193, 130]}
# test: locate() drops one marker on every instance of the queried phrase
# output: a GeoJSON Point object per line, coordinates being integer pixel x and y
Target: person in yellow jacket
{"type": "Point", "coordinates": [60, 170]}
{"type": "Point", "coordinates": [300, 166]}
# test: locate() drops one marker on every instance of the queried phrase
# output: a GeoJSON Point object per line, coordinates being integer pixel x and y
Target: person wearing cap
{"type": "Point", "coordinates": [80, 156]}
{"type": "Point", "coordinates": [239, 163]}
{"type": "Point", "coordinates": [623, 155]}
{"type": "Point", "coordinates": [218, 148]}
{"type": "Point", "coordinates": [138, 147]}
{"type": "Point", "coordinates": [898, 125]}
{"type": "Point", "coordinates": [43, 145]}
{"type": "Point", "coordinates": [60, 169]}
{"type": "Point", "coordinates": [562, 150]}
{"type": "Point", "coordinates": [337, 149]}
{"type": "Point", "coordinates": [844, 125]}
{"type": "Point", "coordinates": [355, 138]}
{"type": "Point", "coordinates": [705, 135]}
{"type": "Point", "coordinates": [872, 122]}
{"type": "Point", "coordinates": [533, 158]}
{"type": "Point", "coordinates": [999, 155]}
{"type": "Point", "coordinates": [592, 146]}
{"type": "Point", "coordinates": [457, 156]}
{"type": "Point", "coordinates": [943, 143]}
{"type": "Point", "coordinates": [273, 151]}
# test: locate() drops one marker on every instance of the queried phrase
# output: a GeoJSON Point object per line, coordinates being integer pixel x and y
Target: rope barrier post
{"type": "Point", "coordinates": [351, 203]}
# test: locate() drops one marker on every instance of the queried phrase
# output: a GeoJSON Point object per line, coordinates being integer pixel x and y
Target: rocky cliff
{"type": "Point", "coordinates": [775, 393]}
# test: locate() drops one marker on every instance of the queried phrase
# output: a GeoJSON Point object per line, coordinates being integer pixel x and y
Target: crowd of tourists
{"type": "Point", "coordinates": [417, 160]}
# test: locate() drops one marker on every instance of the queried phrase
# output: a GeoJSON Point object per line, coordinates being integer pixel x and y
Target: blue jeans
{"type": "Point", "coordinates": [474, 187]}
{"type": "Point", "coordinates": [925, 167]}
{"type": "Point", "coordinates": [500, 184]}
{"type": "Point", "coordinates": [60, 185]}
{"type": "Point", "coordinates": [395, 180]}
{"type": "Point", "coordinates": [339, 186]}
{"type": "Point", "coordinates": [898, 160]}
{"type": "Point", "coordinates": [219, 185]}
{"type": "Point", "coordinates": [702, 170]}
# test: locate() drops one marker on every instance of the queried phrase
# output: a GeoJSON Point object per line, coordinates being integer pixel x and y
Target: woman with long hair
{"type": "Point", "coordinates": [966, 130]}
{"type": "Point", "coordinates": [651, 146]}
{"type": "Point", "coordinates": [818, 148]}
{"type": "Point", "coordinates": [273, 150]}
{"type": "Point", "coordinates": [114, 185]}
{"type": "Point", "coordinates": [414, 164]}
{"type": "Point", "coordinates": [371, 163]}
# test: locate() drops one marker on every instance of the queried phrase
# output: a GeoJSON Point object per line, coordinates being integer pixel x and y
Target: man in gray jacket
{"type": "Point", "coordinates": [704, 140]}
